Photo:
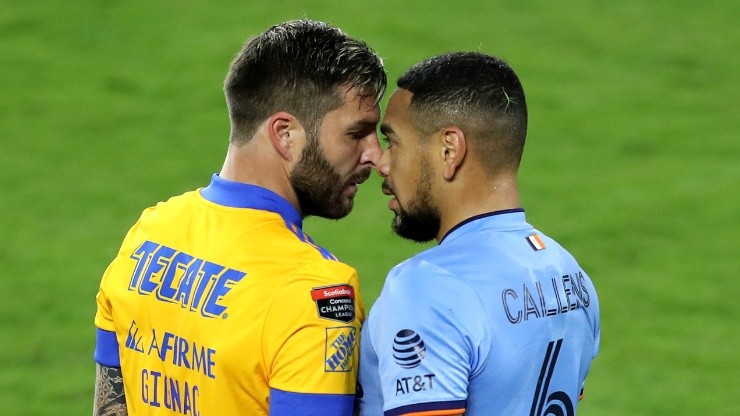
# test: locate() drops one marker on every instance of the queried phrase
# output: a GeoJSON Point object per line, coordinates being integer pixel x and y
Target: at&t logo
{"type": "Point", "coordinates": [408, 348]}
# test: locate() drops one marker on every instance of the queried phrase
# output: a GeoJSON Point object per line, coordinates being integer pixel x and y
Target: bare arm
{"type": "Point", "coordinates": [109, 397]}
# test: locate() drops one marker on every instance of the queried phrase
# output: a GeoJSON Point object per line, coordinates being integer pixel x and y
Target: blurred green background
{"type": "Point", "coordinates": [632, 163]}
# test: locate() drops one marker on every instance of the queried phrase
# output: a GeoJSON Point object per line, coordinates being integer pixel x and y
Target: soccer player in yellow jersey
{"type": "Point", "coordinates": [217, 302]}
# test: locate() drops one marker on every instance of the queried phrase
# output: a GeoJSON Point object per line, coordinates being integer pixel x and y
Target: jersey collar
{"type": "Point", "coordinates": [506, 218]}
{"type": "Point", "coordinates": [242, 195]}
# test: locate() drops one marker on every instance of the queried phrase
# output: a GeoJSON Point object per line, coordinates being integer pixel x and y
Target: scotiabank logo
{"type": "Point", "coordinates": [342, 291]}
{"type": "Point", "coordinates": [335, 302]}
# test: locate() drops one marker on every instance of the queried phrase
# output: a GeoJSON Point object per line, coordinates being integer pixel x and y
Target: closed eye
{"type": "Point", "coordinates": [358, 135]}
{"type": "Point", "coordinates": [385, 131]}
{"type": "Point", "coordinates": [362, 129]}
{"type": "Point", "coordinates": [387, 142]}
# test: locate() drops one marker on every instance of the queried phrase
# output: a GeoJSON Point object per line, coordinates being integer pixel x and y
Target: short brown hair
{"type": "Point", "coordinates": [300, 67]}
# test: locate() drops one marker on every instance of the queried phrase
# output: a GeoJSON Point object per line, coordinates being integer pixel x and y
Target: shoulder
{"type": "Point", "coordinates": [173, 203]}
{"type": "Point", "coordinates": [426, 286]}
{"type": "Point", "coordinates": [319, 292]}
{"type": "Point", "coordinates": [420, 272]}
{"type": "Point", "coordinates": [434, 267]}
{"type": "Point", "coordinates": [167, 212]}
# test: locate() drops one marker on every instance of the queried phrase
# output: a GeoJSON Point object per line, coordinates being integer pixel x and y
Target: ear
{"type": "Point", "coordinates": [453, 150]}
{"type": "Point", "coordinates": [286, 134]}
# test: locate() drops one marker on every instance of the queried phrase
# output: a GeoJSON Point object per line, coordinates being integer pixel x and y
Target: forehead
{"type": "Point", "coordinates": [397, 112]}
{"type": "Point", "coordinates": [398, 104]}
{"type": "Point", "coordinates": [357, 106]}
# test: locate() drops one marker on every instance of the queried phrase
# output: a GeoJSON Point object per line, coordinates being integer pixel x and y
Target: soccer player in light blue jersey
{"type": "Point", "coordinates": [498, 318]}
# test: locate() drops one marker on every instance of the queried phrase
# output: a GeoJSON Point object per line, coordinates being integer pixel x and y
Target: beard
{"type": "Point", "coordinates": [421, 221]}
{"type": "Point", "coordinates": [318, 186]}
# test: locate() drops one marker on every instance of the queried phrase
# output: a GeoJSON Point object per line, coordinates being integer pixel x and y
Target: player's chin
{"type": "Point", "coordinates": [337, 211]}
{"type": "Point", "coordinates": [346, 204]}
{"type": "Point", "coordinates": [350, 190]}
{"type": "Point", "coordinates": [349, 203]}
{"type": "Point", "coordinates": [396, 222]}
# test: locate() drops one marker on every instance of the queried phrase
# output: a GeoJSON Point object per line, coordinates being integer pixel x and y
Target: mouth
{"type": "Point", "coordinates": [393, 204]}
{"type": "Point", "coordinates": [359, 178]}
{"type": "Point", "coordinates": [386, 188]}
{"type": "Point", "coordinates": [352, 185]}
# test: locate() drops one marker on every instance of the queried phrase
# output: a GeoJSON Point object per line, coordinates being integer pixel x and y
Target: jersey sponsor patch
{"type": "Point", "coordinates": [536, 242]}
{"type": "Point", "coordinates": [408, 348]}
{"type": "Point", "coordinates": [341, 343]}
{"type": "Point", "coordinates": [335, 302]}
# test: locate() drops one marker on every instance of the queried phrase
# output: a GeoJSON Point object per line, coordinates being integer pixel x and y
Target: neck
{"type": "Point", "coordinates": [255, 165]}
{"type": "Point", "coordinates": [469, 199]}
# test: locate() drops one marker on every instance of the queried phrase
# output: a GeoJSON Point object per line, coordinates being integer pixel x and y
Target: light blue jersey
{"type": "Point", "coordinates": [496, 320]}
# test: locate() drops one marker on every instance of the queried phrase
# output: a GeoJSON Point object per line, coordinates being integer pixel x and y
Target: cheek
{"type": "Point", "coordinates": [404, 174]}
{"type": "Point", "coordinates": [404, 163]}
{"type": "Point", "coordinates": [343, 157]}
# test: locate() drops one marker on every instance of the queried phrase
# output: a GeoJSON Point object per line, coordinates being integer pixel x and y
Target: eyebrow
{"type": "Point", "coordinates": [386, 129]}
{"type": "Point", "coordinates": [363, 125]}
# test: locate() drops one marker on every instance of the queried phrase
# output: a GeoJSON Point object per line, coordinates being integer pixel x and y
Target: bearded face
{"type": "Point", "coordinates": [419, 219]}
{"type": "Point", "coordinates": [320, 188]}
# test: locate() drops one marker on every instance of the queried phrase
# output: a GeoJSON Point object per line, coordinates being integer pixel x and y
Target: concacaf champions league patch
{"type": "Point", "coordinates": [335, 302]}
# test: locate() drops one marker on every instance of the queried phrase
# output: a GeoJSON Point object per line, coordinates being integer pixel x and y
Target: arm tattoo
{"type": "Point", "coordinates": [109, 397]}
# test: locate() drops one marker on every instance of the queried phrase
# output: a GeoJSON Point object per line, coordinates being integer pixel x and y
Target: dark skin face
{"type": "Point", "coordinates": [407, 173]}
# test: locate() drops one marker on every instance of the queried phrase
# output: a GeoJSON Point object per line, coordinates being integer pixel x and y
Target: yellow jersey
{"type": "Point", "coordinates": [219, 304]}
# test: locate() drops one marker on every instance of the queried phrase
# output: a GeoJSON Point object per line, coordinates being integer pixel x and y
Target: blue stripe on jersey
{"type": "Point", "coordinates": [477, 217]}
{"type": "Point", "coordinates": [286, 403]}
{"type": "Point", "coordinates": [426, 407]}
{"type": "Point", "coordinates": [242, 195]}
{"type": "Point", "coordinates": [106, 348]}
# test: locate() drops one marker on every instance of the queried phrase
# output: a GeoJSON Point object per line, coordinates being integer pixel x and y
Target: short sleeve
{"type": "Point", "coordinates": [106, 345]}
{"type": "Point", "coordinates": [428, 339]}
{"type": "Point", "coordinates": [311, 334]}
{"type": "Point", "coordinates": [104, 313]}
{"type": "Point", "coordinates": [106, 342]}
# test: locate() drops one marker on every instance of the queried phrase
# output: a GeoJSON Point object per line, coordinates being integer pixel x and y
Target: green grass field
{"type": "Point", "coordinates": [633, 163]}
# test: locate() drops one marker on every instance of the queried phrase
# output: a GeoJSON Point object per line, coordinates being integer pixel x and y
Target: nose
{"type": "Point", "coordinates": [383, 166]}
{"type": "Point", "coordinates": [372, 152]}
